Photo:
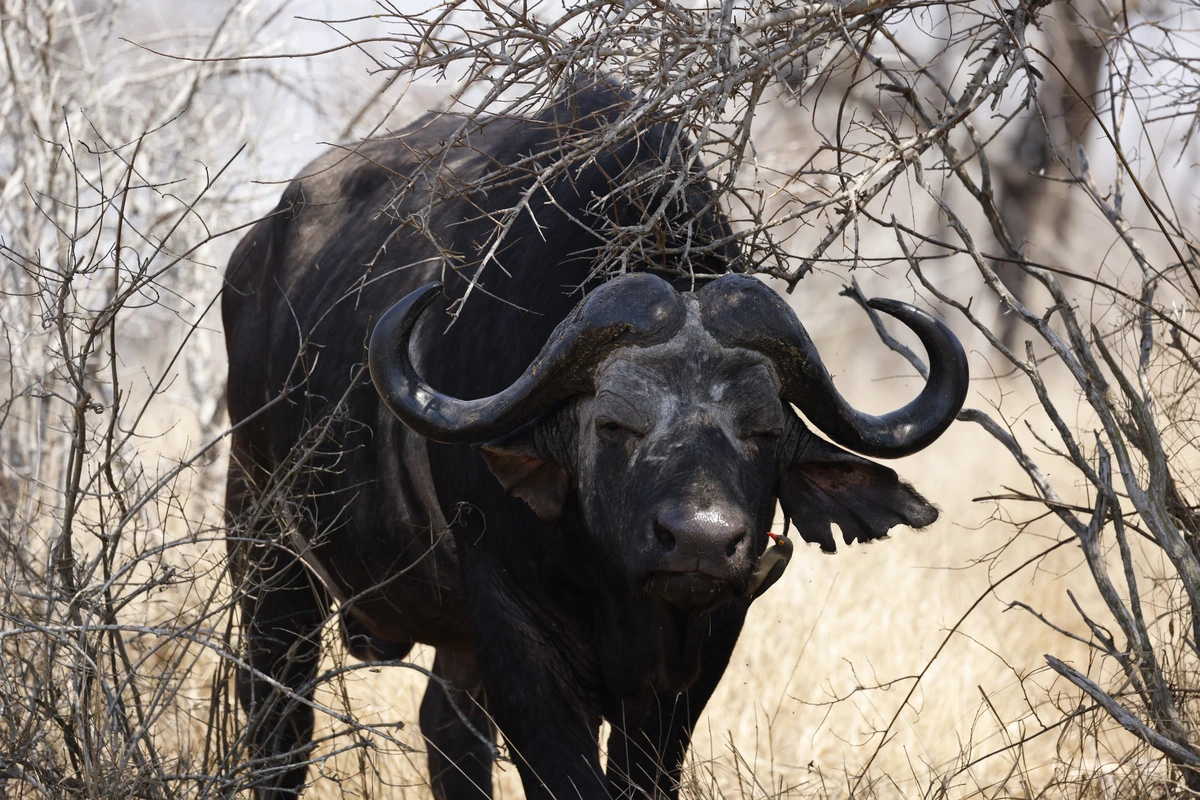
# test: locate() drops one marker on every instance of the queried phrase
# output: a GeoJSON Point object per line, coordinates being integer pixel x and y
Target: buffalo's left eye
{"type": "Point", "coordinates": [761, 437]}
{"type": "Point", "coordinates": [760, 424]}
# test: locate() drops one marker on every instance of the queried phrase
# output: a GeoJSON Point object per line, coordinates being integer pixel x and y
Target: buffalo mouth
{"type": "Point", "coordinates": [689, 589]}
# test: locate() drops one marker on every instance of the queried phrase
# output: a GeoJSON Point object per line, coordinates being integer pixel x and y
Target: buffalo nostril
{"type": "Point", "coordinates": [732, 548]}
{"type": "Point", "coordinates": [664, 535]}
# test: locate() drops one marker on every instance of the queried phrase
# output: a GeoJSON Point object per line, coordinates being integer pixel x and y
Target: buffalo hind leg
{"type": "Point", "coordinates": [282, 614]}
{"type": "Point", "coordinates": [360, 643]}
{"type": "Point", "coordinates": [645, 760]}
{"type": "Point", "coordinates": [459, 732]}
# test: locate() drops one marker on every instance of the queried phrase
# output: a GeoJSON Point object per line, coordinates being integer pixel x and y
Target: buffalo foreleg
{"type": "Point", "coordinates": [457, 728]}
{"type": "Point", "coordinates": [645, 758]}
{"type": "Point", "coordinates": [534, 693]}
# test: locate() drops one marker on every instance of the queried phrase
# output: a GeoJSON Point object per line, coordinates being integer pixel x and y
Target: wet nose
{"type": "Point", "coordinates": [713, 539]}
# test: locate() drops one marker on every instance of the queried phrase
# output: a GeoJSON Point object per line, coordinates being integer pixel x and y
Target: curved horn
{"type": "Point", "coordinates": [741, 311]}
{"type": "Point", "coordinates": [636, 309]}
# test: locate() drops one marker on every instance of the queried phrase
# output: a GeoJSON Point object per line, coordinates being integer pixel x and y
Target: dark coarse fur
{"type": "Point", "coordinates": [331, 498]}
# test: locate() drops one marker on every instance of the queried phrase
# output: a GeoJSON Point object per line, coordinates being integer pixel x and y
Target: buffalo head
{"type": "Point", "coordinates": [669, 416]}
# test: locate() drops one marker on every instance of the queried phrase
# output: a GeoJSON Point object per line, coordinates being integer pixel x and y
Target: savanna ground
{"type": "Point", "coordinates": [914, 667]}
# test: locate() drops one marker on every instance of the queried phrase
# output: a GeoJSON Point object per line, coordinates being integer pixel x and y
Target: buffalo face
{"type": "Point", "coordinates": [676, 462]}
{"type": "Point", "coordinates": [668, 416]}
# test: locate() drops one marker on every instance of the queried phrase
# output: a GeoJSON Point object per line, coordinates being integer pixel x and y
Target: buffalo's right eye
{"type": "Point", "coordinates": [614, 432]}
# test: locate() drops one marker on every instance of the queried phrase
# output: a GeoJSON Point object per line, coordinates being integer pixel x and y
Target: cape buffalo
{"type": "Point", "coordinates": [568, 492]}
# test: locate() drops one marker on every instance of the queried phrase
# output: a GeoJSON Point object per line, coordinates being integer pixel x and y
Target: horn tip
{"type": "Point", "coordinates": [897, 308]}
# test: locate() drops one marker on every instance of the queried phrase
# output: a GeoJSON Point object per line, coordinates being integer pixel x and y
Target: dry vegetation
{"type": "Point", "coordinates": [1021, 168]}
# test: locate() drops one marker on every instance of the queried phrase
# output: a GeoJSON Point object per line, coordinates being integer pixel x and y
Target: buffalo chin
{"type": "Point", "coordinates": [689, 590]}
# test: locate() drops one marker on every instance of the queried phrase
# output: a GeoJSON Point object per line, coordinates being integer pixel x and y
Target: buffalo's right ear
{"type": "Point", "coordinates": [823, 484]}
{"type": "Point", "coordinates": [526, 469]}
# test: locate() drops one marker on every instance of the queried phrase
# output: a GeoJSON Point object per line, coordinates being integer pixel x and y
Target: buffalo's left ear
{"type": "Point", "coordinates": [525, 468]}
{"type": "Point", "coordinates": [824, 484]}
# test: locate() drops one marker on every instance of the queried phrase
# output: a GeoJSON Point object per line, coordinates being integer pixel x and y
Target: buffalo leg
{"type": "Point", "coordinates": [645, 758]}
{"type": "Point", "coordinates": [533, 694]}
{"type": "Point", "coordinates": [282, 622]}
{"type": "Point", "coordinates": [282, 613]}
{"type": "Point", "coordinates": [457, 728]}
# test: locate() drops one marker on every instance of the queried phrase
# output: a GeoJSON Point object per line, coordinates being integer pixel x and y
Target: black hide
{"type": "Point", "coordinates": [595, 562]}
